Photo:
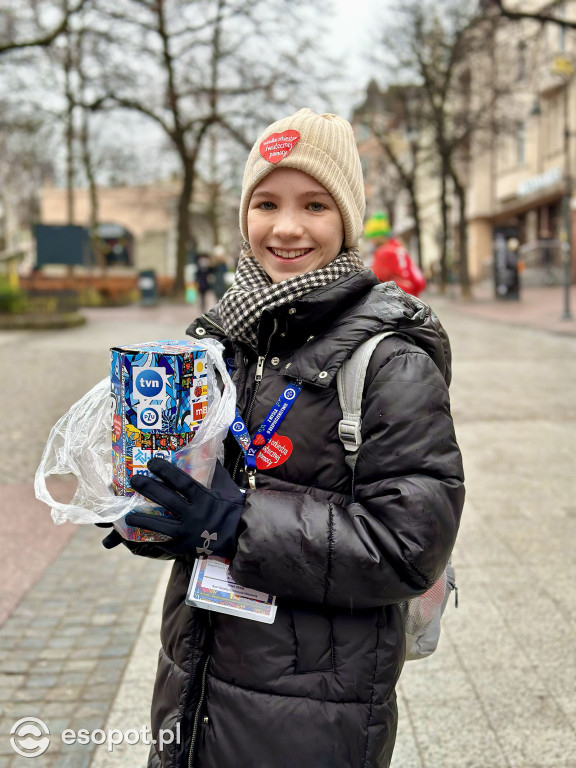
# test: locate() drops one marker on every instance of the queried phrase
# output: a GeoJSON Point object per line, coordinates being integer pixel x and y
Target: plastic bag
{"type": "Point", "coordinates": [422, 616]}
{"type": "Point", "coordinates": [80, 444]}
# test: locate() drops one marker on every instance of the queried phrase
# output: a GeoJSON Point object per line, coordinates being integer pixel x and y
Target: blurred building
{"type": "Point", "coordinates": [145, 215]}
{"type": "Point", "coordinates": [139, 224]}
{"type": "Point", "coordinates": [521, 181]}
{"type": "Point", "coordinates": [519, 166]}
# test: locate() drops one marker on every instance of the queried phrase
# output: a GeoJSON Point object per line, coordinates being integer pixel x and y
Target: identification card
{"type": "Point", "coordinates": [213, 588]}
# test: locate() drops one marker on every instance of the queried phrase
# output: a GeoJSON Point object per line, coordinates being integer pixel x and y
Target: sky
{"type": "Point", "coordinates": [351, 30]}
{"type": "Point", "coordinates": [351, 24]}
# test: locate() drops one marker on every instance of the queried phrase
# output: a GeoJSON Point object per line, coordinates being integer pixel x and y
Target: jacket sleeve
{"type": "Point", "coordinates": [393, 541]}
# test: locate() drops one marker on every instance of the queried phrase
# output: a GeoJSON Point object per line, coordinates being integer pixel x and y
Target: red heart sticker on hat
{"type": "Point", "coordinates": [276, 146]}
{"type": "Point", "coordinates": [274, 453]}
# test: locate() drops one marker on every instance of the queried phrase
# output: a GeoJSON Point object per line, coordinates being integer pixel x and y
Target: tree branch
{"type": "Point", "coordinates": [406, 177]}
{"type": "Point", "coordinates": [136, 106]}
{"type": "Point", "coordinates": [236, 135]}
{"type": "Point", "coordinates": [47, 39]}
{"type": "Point", "coordinates": [542, 17]}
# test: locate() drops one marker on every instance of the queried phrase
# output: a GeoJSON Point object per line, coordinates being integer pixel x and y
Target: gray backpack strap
{"type": "Point", "coordinates": [350, 382]}
{"type": "Point", "coordinates": [421, 614]}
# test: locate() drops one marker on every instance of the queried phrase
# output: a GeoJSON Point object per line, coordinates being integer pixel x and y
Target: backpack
{"type": "Point", "coordinates": [421, 614]}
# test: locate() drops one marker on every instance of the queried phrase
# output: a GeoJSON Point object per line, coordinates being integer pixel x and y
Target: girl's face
{"type": "Point", "coordinates": [294, 225]}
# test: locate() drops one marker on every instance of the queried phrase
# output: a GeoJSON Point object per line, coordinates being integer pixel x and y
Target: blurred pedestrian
{"type": "Point", "coordinates": [204, 277]}
{"type": "Point", "coordinates": [390, 259]}
{"type": "Point", "coordinates": [220, 271]}
{"type": "Point", "coordinates": [546, 245]}
{"type": "Point", "coordinates": [340, 550]}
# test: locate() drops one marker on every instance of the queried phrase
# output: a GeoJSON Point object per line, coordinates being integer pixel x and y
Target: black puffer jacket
{"type": "Point", "coordinates": [316, 688]}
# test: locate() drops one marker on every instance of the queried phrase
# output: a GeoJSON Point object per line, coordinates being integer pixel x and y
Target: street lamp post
{"type": "Point", "coordinates": [567, 233]}
{"type": "Point", "coordinates": [564, 67]}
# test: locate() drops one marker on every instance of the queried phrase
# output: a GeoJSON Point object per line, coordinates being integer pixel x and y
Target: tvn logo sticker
{"type": "Point", "coordinates": [149, 382]}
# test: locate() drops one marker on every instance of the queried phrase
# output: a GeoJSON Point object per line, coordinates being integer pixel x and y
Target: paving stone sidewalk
{"type": "Point", "coordinates": [80, 649]}
{"type": "Point", "coordinates": [74, 610]}
{"type": "Point", "coordinates": [63, 650]}
{"type": "Point", "coordinates": [500, 692]}
{"type": "Point", "coordinates": [539, 308]}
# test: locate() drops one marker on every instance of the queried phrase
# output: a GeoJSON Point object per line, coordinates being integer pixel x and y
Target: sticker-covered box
{"type": "Point", "coordinates": [160, 396]}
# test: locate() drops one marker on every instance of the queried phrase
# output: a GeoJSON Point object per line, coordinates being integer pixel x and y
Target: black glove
{"type": "Point", "coordinates": [204, 520]}
{"type": "Point", "coordinates": [113, 538]}
{"type": "Point", "coordinates": [141, 548]}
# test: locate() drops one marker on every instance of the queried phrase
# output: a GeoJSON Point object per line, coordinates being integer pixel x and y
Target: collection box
{"type": "Point", "coordinates": [160, 396]}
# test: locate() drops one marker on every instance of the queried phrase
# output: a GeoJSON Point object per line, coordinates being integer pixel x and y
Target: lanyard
{"type": "Point", "coordinates": [251, 446]}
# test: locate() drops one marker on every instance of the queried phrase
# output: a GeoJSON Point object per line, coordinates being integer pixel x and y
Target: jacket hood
{"type": "Point", "coordinates": [324, 327]}
{"type": "Point", "coordinates": [414, 319]}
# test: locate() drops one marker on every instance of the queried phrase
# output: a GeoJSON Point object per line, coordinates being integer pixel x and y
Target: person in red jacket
{"type": "Point", "coordinates": [391, 260]}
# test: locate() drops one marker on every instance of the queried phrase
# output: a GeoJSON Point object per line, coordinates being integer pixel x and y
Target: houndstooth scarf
{"type": "Point", "coordinates": [242, 305]}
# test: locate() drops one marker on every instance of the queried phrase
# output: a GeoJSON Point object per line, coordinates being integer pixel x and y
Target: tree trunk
{"type": "Point", "coordinates": [444, 232]}
{"type": "Point", "coordinates": [69, 169]}
{"type": "Point", "coordinates": [213, 213]}
{"type": "Point", "coordinates": [188, 158]}
{"type": "Point", "coordinates": [463, 238]}
{"type": "Point", "coordinates": [93, 192]}
{"type": "Point", "coordinates": [183, 226]}
{"type": "Point", "coordinates": [417, 225]}
{"type": "Point", "coordinates": [214, 209]}
{"type": "Point", "coordinates": [69, 136]}
{"type": "Point", "coordinates": [70, 212]}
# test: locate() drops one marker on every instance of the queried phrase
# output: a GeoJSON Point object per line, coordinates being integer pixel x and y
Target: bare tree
{"type": "Point", "coordinates": [195, 67]}
{"type": "Point", "coordinates": [50, 89]}
{"type": "Point", "coordinates": [38, 37]}
{"type": "Point", "coordinates": [62, 71]}
{"type": "Point", "coordinates": [23, 166]}
{"type": "Point", "coordinates": [78, 45]}
{"type": "Point", "coordinates": [444, 49]}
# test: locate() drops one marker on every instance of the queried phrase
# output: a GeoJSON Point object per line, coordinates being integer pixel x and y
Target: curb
{"type": "Point", "coordinates": [41, 322]}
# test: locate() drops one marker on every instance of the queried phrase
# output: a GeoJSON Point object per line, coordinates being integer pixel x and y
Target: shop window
{"type": "Point", "coordinates": [116, 245]}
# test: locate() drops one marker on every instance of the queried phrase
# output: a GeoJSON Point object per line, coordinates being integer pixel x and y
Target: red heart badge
{"type": "Point", "coordinates": [276, 146]}
{"type": "Point", "coordinates": [274, 453]}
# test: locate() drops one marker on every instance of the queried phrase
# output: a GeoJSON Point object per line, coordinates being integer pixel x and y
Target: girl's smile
{"type": "Point", "coordinates": [289, 254]}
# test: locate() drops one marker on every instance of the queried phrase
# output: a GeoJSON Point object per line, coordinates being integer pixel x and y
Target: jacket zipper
{"type": "Point", "coordinates": [258, 379]}
{"type": "Point", "coordinates": [205, 317]}
{"type": "Point", "coordinates": [200, 702]}
{"type": "Point", "coordinates": [256, 388]}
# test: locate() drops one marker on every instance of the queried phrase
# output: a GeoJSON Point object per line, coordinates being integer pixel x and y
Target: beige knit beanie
{"type": "Point", "coordinates": [323, 146]}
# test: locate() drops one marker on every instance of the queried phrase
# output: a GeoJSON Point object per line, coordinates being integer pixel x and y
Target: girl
{"type": "Point", "coordinates": [315, 688]}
